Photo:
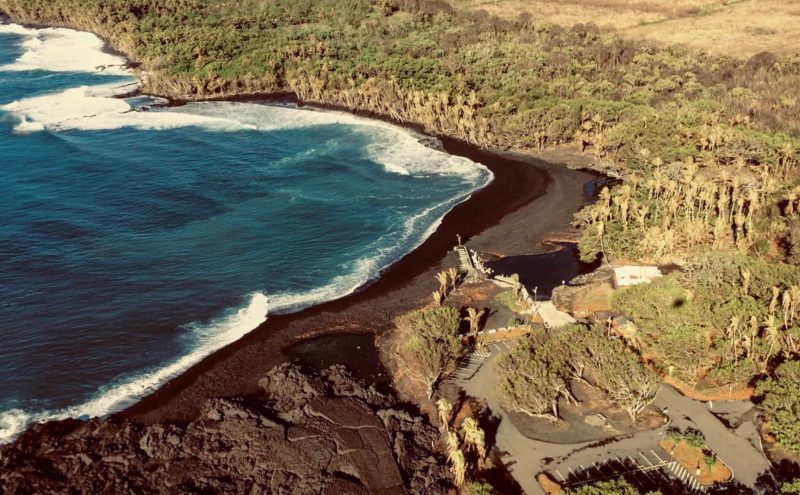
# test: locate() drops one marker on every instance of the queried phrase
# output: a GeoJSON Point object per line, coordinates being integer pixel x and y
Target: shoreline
{"type": "Point", "coordinates": [236, 369]}
{"type": "Point", "coordinates": [518, 181]}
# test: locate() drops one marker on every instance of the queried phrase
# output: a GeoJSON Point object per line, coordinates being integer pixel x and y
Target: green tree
{"type": "Point", "coordinates": [531, 380]}
{"type": "Point", "coordinates": [433, 345]}
{"type": "Point", "coordinates": [780, 403]}
{"type": "Point", "coordinates": [791, 487]}
{"type": "Point", "coordinates": [478, 488]}
{"type": "Point", "coordinates": [610, 487]}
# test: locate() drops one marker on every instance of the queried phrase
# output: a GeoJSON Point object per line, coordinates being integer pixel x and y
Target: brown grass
{"type": "Point", "coordinates": [692, 457]}
{"type": "Point", "coordinates": [549, 486]}
{"type": "Point", "coordinates": [513, 334]}
{"type": "Point", "coordinates": [739, 391]}
{"type": "Point", "coordinates": [739, 28]}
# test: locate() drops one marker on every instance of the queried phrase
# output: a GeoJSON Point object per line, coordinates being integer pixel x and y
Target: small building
{"type": "Point", "coordinates": [625, 276]}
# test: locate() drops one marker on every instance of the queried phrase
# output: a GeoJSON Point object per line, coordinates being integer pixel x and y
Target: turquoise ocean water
{"type": "Point", "coordinates": [135, 239]}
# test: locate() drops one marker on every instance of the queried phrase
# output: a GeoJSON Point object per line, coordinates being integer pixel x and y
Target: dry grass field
{"type": "Point", "coordinates": [733, 27]}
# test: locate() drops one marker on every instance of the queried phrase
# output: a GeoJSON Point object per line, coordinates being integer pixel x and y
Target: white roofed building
{"type": "Point", "coordinates": [625, 276]}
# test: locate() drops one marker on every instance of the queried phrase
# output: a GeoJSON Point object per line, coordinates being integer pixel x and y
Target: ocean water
{"type": "Point", "coordinates": [135, 239]}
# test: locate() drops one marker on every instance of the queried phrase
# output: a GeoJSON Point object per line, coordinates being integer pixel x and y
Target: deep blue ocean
{"type": "Point", "coordinates": [136, 239]}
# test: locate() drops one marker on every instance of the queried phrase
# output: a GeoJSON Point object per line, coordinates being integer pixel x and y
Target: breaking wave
{"type": "Point", "coordinates": [206, 338]}
{"type": "Point", "coordinates": [99, 107]}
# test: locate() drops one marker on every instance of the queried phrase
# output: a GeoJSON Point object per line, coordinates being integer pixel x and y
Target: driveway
{"type": "Point", "coordinates": [735, 447]}
{"type": "Point", "coordinates": [525, 458]}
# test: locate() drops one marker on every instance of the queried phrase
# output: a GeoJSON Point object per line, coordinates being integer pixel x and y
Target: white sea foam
{"type": "Point", "coordinates": [206, 337]}
{"type": "Point", "coordinates": [12, 422]}
{"type": "Point", "coordinates": [97, 108]}
{"type": "Point", "coordinates": [94, 108]}
{"type": "Point", "coordinates": [61, 50]}
{"type": "Point", "coordinates": [89, 108]}
{"type": "Point", "coordinates": [397, 149]}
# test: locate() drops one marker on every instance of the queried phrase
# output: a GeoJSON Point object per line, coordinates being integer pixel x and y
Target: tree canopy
{"type": "Point", "coordinates": [610, 487]}
{"type": "Point", "coordinates": [540, 370]}
{"type": "Point", "coordinates": [432, 344]}
{"type": "Point", "coordinates": [780, 405]}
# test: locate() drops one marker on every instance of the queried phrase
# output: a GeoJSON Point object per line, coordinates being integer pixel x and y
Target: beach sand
{"type": "Point", "coordinates": [527, 200]}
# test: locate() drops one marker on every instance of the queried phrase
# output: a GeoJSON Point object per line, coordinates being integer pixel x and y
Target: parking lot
{"type": "Point", "coordinates": [646, 469]}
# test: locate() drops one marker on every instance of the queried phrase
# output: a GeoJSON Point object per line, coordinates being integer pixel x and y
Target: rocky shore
{"type": "Point", "coordinates": [309, 433]}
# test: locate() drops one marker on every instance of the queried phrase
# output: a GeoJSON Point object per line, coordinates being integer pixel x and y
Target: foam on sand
{"type": "Point", "coordinates": [92, 108]}
{"type": "Point", "coordinates": [61, 50]}
{"type": "Point", "coordinates": [206, 338]}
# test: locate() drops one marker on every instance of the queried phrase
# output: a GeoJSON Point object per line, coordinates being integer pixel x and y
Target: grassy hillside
{"type": "Point", "coordinates": [707, 143]}
{"type": "Point", "coordinates": [741, 27]}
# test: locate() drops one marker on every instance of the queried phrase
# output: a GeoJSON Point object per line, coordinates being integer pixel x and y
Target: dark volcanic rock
{"type": "Point", "coordinates": [308, 434]}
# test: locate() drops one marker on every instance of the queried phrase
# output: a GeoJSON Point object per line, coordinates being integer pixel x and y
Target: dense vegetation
{"type": "Point", "coordinates": [542, 369]}
{"type": "Point", "coordinates": [610, 487]}
{"type": "Point", "coordinates": [725, 319]}
{"type": "Point", "coordinates": [486, 80]}
{"type": "Point", "coordinates": [780, 404]}
{"type": "Point", "coordinates": [707, 145]}
{"type": "Point", "coordinates": [728, 319]}
{"type": "Point", "coordinates": [430, 344]}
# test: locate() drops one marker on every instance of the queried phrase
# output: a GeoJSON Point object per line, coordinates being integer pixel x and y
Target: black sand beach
{"type": "Point", "coordinates": [527, 200]}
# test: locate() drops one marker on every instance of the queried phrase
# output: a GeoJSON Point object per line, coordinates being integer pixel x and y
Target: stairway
{"type": "Point", "coordinates": [465, 259]}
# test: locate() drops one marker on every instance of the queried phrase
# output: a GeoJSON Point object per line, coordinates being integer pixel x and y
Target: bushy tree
{"type": "Point", "coordinates": [610, 487]}
{"type": "Point", "coordinates": [791, 487]}
{"type": "Point", "coordinates": [538, 372]}
{"type": "Point", "coordinates": [780, 403]}
{"type": "Point", "coordinates": [478, 488]}
{"type": "Point", "coordinates": [433, 345]}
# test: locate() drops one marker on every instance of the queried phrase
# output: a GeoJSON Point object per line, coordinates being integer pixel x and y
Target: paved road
{"type": "Point", "coordinates": [736, 448]}
{"type": "Point", "coordinates": [525, 458]}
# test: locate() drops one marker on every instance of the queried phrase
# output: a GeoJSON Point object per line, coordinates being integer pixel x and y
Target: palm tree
{"type": "Point", "coordinates": [773, 305]}
{"type": "Point", "coordinates": [453, 442]}
{"type": "Point", "coordinates": [795, 293]}
{"type": "Point", "coordinates": [745, 281]}
{"type": "Point", "coordinates": [773, 336]}
{"type": "Point", "coordinates": [474, 318]}
{"type": "Point", "coordinates": [786, 154]}
{"type": "Point", "coordinates": [445, 409]}
{"type": "Point", "coordinates": [442, 277]}
{"type": "Point", "coordinates": [458, 465]}
{"type": "Point", "coordinates": [733, 331]}
{"type": "Point", "coordinates": [786, 304]}
{"type": "Point", "coordinates": [437, 297]}
{"type": "Point", "coordinates": [453, 273]}
{"type": "Point", "coordinates": [474, 439]}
